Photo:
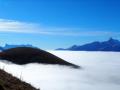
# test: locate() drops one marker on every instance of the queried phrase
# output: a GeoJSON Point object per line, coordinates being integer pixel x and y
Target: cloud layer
{"type": "Point", "coordinates": [25, 27]}
{"type": "Point", "coordinates": [16, 26]}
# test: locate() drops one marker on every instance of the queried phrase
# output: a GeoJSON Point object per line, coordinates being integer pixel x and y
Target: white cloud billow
{"type": "Point", "coordinates": [25, 27]}
{"type": "Point", "coordinates": [16, 26]}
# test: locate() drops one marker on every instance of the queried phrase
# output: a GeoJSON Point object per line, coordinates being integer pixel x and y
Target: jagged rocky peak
{"type": "Point", "coordinates": [74, 46]}
{"type": "Point", "coordinates": [111, 40]}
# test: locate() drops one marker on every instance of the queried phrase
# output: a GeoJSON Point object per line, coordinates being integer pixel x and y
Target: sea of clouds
{"type": "Point", "coordinates": [100, 71]}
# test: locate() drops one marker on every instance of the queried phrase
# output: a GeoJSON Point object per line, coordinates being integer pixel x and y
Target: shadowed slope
{"type": "Point", "coordinates": [8, 82]}
{"type": "Point", "coordinates": [24, 55]}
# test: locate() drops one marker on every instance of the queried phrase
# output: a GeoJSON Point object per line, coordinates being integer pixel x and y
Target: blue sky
{"type": "Point", "coordinates": [51, 24]}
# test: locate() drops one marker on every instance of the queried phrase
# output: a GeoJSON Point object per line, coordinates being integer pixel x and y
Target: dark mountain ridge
{"type": "Point", "coordinates": [25, 55]}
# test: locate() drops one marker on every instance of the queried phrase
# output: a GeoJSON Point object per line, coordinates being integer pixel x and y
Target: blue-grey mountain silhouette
{"type": "Point", "coordinates": [8, 46]}
{"type": "Point", "coordinates": [110, 45]}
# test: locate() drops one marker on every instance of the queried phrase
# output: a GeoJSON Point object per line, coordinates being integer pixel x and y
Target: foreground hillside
{"type": "Point", "coordinates": [8, 82]}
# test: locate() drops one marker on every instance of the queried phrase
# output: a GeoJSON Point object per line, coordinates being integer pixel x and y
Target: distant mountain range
{"type": "Point", "coordinates": [110, 45]}
{"type": "Point", "coordinates": [7, 46]}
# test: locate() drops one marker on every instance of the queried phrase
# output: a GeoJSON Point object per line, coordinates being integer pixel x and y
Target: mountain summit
{"type": "Point", "coordinates": [110, 45]}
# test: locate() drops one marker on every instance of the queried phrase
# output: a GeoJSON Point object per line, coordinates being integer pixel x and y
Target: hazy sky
{"type": "Point", "coordinates": [51, 24]}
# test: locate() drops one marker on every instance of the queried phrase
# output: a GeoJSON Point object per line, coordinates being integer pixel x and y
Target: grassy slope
{"type": "Point", "coordinates": [8, 82]}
